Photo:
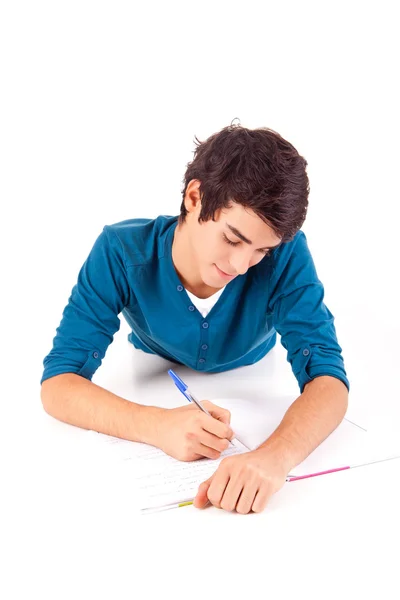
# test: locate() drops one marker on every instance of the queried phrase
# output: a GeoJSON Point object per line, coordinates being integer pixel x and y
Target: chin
{"type": "Point", "coordinates": [210, 280]}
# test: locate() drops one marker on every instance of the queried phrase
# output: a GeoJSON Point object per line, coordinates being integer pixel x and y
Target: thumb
{"type": "Point", "coordinates": [201, 499]}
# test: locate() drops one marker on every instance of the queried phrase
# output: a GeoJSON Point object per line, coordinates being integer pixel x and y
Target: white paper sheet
{"type": "Point", "coordinates": [159, 479]}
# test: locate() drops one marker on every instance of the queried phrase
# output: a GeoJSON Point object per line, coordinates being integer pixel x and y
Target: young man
{"type": "Point", "coordinates": [209, 290]}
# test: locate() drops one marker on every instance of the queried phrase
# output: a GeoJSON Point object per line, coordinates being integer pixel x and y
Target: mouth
{"type": "Point", "coordinates": [223, 274]}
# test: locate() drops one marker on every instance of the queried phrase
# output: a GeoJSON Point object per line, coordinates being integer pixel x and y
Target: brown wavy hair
{"type": "Point", "coordinates": [256, 168]}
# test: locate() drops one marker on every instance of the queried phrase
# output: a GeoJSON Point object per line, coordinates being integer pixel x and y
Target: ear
{"type": "Point", "coordinates": [192, 196]}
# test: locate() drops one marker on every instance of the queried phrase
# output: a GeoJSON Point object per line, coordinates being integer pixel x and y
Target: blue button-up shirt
{"type": "Point", "coordinates": [130, 270]}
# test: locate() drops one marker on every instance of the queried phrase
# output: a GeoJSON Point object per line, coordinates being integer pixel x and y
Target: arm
{"type": "Point", "coordinates": [76, 400]}
{"type": "Point", "coordinates": [245, 482]}
{"type": "Point", "coordinates": [185, 433]}
{"type": "Point", "coordinates": [308, 334]}
{"type": "Point", "coordinates": [309, 421]}
{"type": "Point", "coordinates": [88, 325]}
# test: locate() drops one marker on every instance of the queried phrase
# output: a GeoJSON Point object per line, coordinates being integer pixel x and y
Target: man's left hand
{"type": "Point", "coordinates": [244, 482]}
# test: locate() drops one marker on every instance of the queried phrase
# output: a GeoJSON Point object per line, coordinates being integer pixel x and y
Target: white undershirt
{"type": "Point", "coordinates": [204, 305]}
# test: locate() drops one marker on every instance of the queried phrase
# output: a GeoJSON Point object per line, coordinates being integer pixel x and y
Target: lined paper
{"type": "Point", "coordinates": [160, 479]}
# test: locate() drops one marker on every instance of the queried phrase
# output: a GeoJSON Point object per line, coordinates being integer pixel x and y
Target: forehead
{"type": "Point", "coordinates": [249, 224]}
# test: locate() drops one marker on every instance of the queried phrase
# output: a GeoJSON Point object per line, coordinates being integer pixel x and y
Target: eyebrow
{"type": "Point", "coordinates": [244, 239]}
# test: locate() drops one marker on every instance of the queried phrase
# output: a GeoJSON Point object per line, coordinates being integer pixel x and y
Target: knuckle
{"type": "Point", "coordinates": [198, 417]}
{"type": "Point", "coordinates": [228, 432]}
{"type": "Point", "coordinates": [225, 463]}
{"type": "Point", "coordinates": [214, 499]}
{"type": "Point", "coordinates": [246, 500]}
{"type": "Point", "coordinates": [227, 505]}
{"type": "Point", "coordinates": [223, 445]}
{"type": "Point", "coordinates": [250, 471]}
{"type": "Point", "coordinates": [187, 449]}
{"type": "Point", "coordinates": [185, 454]}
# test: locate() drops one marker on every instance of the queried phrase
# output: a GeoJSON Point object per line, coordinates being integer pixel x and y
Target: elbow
{"type": "Point", "coordinates": [47, 396]}
{"type": "Point", "coordinates": [52, 390]}
{"type": "Point", "coordinates": [55, 390]}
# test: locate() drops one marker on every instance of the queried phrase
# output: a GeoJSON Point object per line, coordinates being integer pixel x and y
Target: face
{"type": "Point", "coordinates": [227, 247]}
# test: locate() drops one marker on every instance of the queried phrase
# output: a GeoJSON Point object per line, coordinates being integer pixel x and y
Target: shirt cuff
{"type": "Point", "coordinates": [313, 372]}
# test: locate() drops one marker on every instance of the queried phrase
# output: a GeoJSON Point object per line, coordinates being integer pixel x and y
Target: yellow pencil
{"type": "Point", "coordinates": [166, 507]}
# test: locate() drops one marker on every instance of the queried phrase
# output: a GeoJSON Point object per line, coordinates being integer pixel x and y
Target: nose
{"type": "Point", "coordinates": [240, 263]}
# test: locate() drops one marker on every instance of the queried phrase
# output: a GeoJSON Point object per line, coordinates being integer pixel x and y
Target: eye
{"type": "Point", "coordinates": [228, 241]}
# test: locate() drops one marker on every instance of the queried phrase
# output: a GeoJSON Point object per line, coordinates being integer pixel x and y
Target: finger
{"type": "Point", "coordinates": [232, 493]}
{"type": "Point", "coordinates": [212, 441]}
{"type": "Point", "coordinates": [222, 414]}
{"type": "Point", "coordinates": [247, 497]}
{"type": "Point", "coordinates": [217, 487]}
{"type": "Point", "coordinates": [205, 451]}
{"type": "Point", "coordinates": [201, 500]}
{"type": "Point", "coordinates": [261, 500]}
{"type": "Point", "coordinates": [212, 425]}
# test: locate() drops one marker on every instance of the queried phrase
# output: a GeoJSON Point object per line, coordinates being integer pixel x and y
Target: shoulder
{"type": "Point", "coordinates": [273, 266]}
{"type": "Point", "coordinates": [140, 239]}
{"type": "Point", "coordinates": [293, 266]}
{"type": "Point", "coordinates": [292, 254]}
{"type": "Point", "coordinates": [296, 247]}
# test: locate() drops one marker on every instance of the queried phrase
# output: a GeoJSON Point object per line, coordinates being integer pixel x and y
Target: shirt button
{"type": "Point", "coordinates": [179, 288]}
{"type": "Point", "coordinates": [191, 308]}
{"type": "Point", "coordinates": [95, 355]}
{"type": "Point", "coordinates": [205, 325]}
{"type": "Point", "coordinates": [306, 352]}
{"type": "Point", "coordinates": [204, 347]}
{"type": "Point", "coordinates": [202, 360]}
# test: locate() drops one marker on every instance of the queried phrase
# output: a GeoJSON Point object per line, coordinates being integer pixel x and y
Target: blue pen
{"type": "Point", "coordinates": [182, 387]}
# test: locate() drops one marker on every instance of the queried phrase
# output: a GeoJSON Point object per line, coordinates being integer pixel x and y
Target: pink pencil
{"type": "Point", "coordinates": [296, 478]}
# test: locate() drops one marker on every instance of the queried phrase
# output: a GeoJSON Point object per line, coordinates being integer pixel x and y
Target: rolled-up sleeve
{"type": "Point", "coordinates": [90, 319]}
{"type": "Point", "coordinates": [300, 316]}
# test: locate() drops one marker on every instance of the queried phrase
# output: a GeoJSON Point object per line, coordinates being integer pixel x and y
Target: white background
{"type": "Point", "coordinates": [99, 106]}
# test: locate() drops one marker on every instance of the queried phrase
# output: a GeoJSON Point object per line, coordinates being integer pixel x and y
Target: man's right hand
{"type": "Point", "coordinates": [187, 433]}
